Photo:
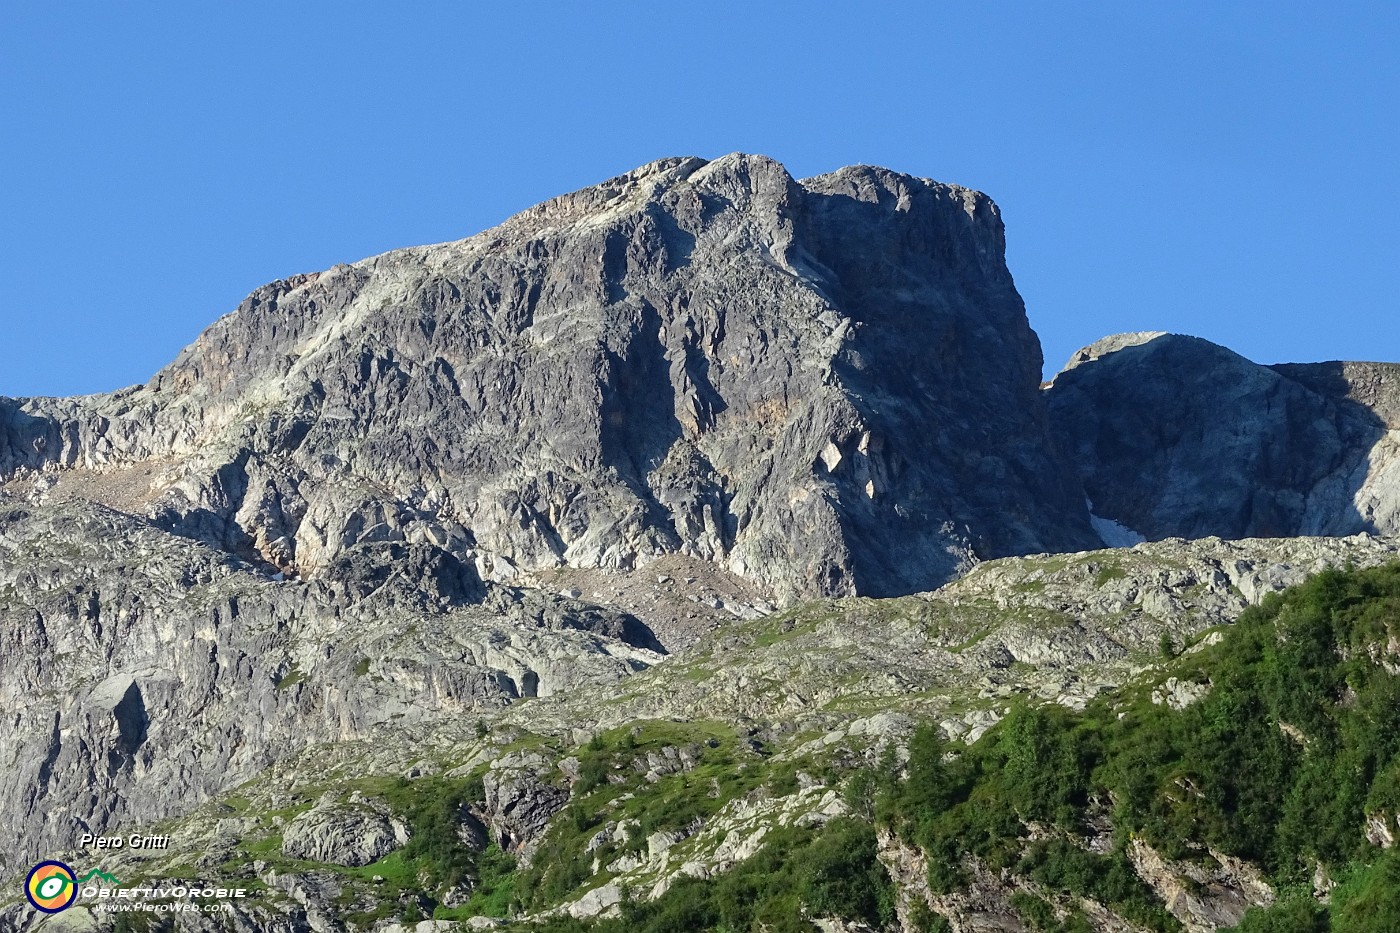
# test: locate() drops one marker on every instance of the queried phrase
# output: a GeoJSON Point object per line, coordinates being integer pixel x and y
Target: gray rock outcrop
{"type": "Point", "coordinates": [351, 833]}
{"type": "Point", "coordinates": [520, 801]}
{"type": "Point", "coordinates": [353, 525]}
{"type": "Point", "coordinates": [144, 673]}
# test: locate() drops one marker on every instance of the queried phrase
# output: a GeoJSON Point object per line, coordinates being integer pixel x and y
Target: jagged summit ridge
{"type": "Point", "coordinates": [827, 385]}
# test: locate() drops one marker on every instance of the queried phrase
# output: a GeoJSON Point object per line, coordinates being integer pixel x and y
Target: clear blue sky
{"type": "Point", "coordinates": [1221, 169]}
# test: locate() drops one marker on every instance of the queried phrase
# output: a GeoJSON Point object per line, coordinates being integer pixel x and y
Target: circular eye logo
{"type": "Point", "coordinates": [51, 887]}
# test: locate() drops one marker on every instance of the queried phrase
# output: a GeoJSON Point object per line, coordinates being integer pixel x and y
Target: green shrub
{"type": "Point", "coordinates": [433, 809]}
{"type": "Point", "coordinates": [1295, 743]}
{"type": "Point", "coordinates": [1109, 879]}
{"type": "Point", "coordinates": [1298, 913]}
{"type": "Point", "coordinates": [841, 875]}
{"type": "Point", "coordinates": [924, 920]}
{"type": "Point", "coordinates": [797, 873]}
{"type": "Point", "coordinates": [1034, 910]}
{"type": "Point", "coordinates": [1370, 900]}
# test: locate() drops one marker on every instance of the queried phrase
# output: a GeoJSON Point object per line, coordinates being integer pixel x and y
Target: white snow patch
{"type": "Point", "coordinates": [1110, 532]}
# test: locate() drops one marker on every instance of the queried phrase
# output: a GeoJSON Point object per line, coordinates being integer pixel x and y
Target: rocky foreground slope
{"type": "Point", "coordinates": [531, 575]}
{"type": "Point", "coordinates": [601, 785]}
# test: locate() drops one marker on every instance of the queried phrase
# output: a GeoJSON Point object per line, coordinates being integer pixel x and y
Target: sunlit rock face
{"type": "Point", "coordinates": [432, 521]}
{"type": "Point", "coordinates": [826, 386]}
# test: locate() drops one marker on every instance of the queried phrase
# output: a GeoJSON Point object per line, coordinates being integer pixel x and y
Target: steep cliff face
{"type": "Point", "coordinates": [828, 386]}
{"type": "Point", "coordinates": [1175, 436]}
{"type": "Point", "coordinates": [825, 386]}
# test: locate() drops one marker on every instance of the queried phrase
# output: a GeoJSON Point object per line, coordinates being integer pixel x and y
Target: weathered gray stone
{"type": "Point", "coordinates": [520, 801]}
{"type": "Point", "coordinates": [349, 834]}
{"type": "Point", "coordinates": [354, 523]}
{"type": "Point", "coordinates": [146, 673]}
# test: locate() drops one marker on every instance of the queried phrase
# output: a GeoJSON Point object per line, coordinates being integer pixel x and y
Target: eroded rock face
{"type": "Point", "coordinates": [827, 386]}
{"type": "Point", "coordinates": [520, 800]}
{"type": "Point", "coordinates": [1176, 437]}
{"type": "Point", "coordinates": [349, 833]}
{"type": "Point", "coordinates": [144, 673]}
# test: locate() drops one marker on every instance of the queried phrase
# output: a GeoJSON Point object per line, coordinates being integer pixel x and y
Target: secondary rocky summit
{"type": "Point", "coordinates": [1174, 436]}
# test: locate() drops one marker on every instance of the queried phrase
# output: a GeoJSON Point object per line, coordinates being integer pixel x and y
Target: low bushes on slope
{"type": "Point", "coordinates": [1295, 744]}
{"type": "Point", "coordinates": [829, 872]}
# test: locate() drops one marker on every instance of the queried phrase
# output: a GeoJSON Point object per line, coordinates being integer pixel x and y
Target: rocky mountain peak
{"type": "Point", "coordinates": [283, 602]}
{"type": "Point", "coordinates": [826, 386]}
{"type": "Point", "coordinates": [819, 386]}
